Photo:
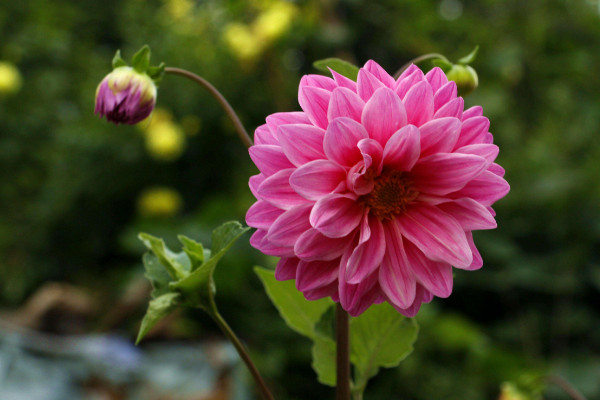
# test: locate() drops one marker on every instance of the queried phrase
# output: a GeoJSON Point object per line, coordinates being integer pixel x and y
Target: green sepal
{"type": "Point", "coordinates": [141, 60]}
{"type": "Point", "coordinates": [445, 65]}
{"type": "Point", "coordinates": [340, 66]}
{"type": "Point", "coordinates": [118, 61]}
{"type": "Point", "coordinates": [157, 72]}
{"type": "Point", "coordinates": [469, 58]}
{"type": "Point", "coordinates": [158, 308]}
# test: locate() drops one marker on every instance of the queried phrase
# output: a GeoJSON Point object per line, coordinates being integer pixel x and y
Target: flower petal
{"type": "Point", "coordinates": [436, 78]}
{"type": "Point", "coordinates": [286, 268]}
{"type": "Point", "coordinates": [439, 135]}
{"type": "Point", "coordinates": [269, 158]}
{"type": "Point", "coordinates": [367, 256]}
{"type": "Point", "coordinates": [277, 191]}
{"type": "Point", "coordinates": [470, 214]}
{"type": "Point", "coordinates": [477, 260]}
{"type": "Point", "coordinates": [259, 241]}
{"type": "Point", "coordinates": [285, 118]}
{"type": "Point", "coordinates": [315, 274]}
{"type": "Point", "coordinates": [487, 151]}
{"type": "Point", "coordinates": [497, 169]}
{"type": "Point", "coordinates": [433, 275]}
{"type": "Point", "coordinates": [263, 135]}
{"type": "Point", "coordinates": [379, 73]}
{"type": "Point", "coordinates": [453, 108]}
{"type": "Point", "coordinates": [419, 104]}
{"type": "Point", "coordinates": [406, 82]}
{"type": "Point", "coordinates": [475, 111]}
{"type": "Point", "coordinates": [317, 179]}
{"type": "Point", "coordinates": [383, 115]}
{"type": "Point", "coordinates": [395, 275]}
{"type": "Point", "coordinates": [436, 234]}
{"type": "Point", "coordinates": [402, 151]}
{"type": "Point", "coordinates": [254, 182]}
{"type": "Point", "coordinates": [325, 291]}
{"type": "Point", "coordinates": [314, 101]}
{"type": "Point", "coordinates": [319, 81]}
{"type": "Point", "coordinates": [486, 189]}
{"type": "Point", "coordinates": [367, 84]}
{"type": "Point", "coordinates": [443, 173]}
{"type": "Point", "coordinates": [341, 139]}
{"type": "Point", "coordinates": [288, 227]}
{"type": "Point", "coordinates": [473, 131]}
{"type": "Point", "coordinates": [262, 215]}
{"type": "Point", "coordinates": [314, 246]}
{"type": "Point", "coordinates": [336, 215]}
{"type": "Point", "coordinates": [301, 143]}
{"type": "Point", "coordinates": [342, 81]}
{"type": "Point", "coordinates": [345, 103]}
{"type": "Point", "coordinates": [444, 95]}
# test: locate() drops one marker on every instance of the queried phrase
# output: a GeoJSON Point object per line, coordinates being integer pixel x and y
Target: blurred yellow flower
{"type": "Point", "coordinates": [274, 21]}
{"type": "Point", "coordinates": [158, 116]}
{"type": "Point", "coordinates": [179, 8]}
{"type": "Point", "coordinates": [159, 201]}
{"type": "Point", "coordinates": [242, 41]}
{"type": "Point", "coordinates": [509, 391]}
{"type": "Point", "coordinates": [10, 78]}
{"type": "Point", "coordinates": [165, 141]}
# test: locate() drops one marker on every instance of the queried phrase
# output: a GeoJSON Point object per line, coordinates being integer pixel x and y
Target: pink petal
{"type": "Point", "coordinates": [436, 234]}
{"type": "Point", "coordinates": [434, 276]}
{"type": "Point", "coordinates": [379, 73]}
{"type": "Point", "coordinates": [313, 246]}
{"type": "Point", "coordinates": [395, 276]}
{"type": "Point", "coordinates": [407, 72]}
{"type": "Point", "coordinates": [487, 151]}
{"type": "Point", "coordinates": [314, 101]}
{"type": "Point", "coordinates": [367, 84]}
{"type": "Point", "coordinates": [353, 296]}
{"type": "Point", "coordinates": [363, 300]}
{"type": "Point", "coordinates": [402, 151]}
{"type": "Point", "coordinates": [277, 191]}
{"type": "Point", "coordinates": [422, 296]}
{"type": "Point", "coordinates": [301, 143]}
{"type": "Point", "coordinates": [262, 215]}
{"type": "Point", "coordinates": [336, 215]}
{"type": "Point", "coordinates": [315, 274]}
{"type": "Point", "coordinates": [372, 153]}
{"type": "Point", "coordinates": [269, 158]}
{"type": "Point", "coordinates": [345, 103]}
{"type": "Point", "coordinates": [470, 214]}
{"type": "Point", "coordinates": [497, 169]}
{"type": "Point", "coordinates": [367, 256]}
{"type": "Point", "coordinates": [254, 182]}
{"type": "Point", "coordinates": [259, 241]}
{"type": "Point", "coordinates": [475, 111]}
{"type": "Point", "coordinates": [439, 135]}
{"type": "Point", "coordinates": [286, 118]}
{"type": "Point", "coordinates": [325, 291]}
{"type": "Point", "coordinates": [317, 179]}
{"type": "Point", "coordinates": [477, 260]}
{"type": "Point", "coordinates": [341, 139]}
{"type": "Point", "coordinates": [286, 268]}
{"type": "Point", "coordinates": [406, 82]}
{"type": "Point", "coordinates": [319, 81]}
{"type": "Point", "coordinates": [436, 78]}
{"type": "Point", "coordinates": [290, 225]}
{"type": "Point", "coordinates": [445, 94]}
{"type": "Point", "coordinates": [473, 131]}
{"type": "Point", "coordinates": [342, 81]}
{"type": "Point", "coordinates": [383, 115]}
{"type": "Point", "coordinates": [419, 104]}
{"type": "Point", "coordinates": [486, 189]}
{"type": "Point", "coordinates": [453, 108]}
{"type": "Point", "coordinates": [263, 135]}
{"type": "Point", "coordinates": [443, 173]}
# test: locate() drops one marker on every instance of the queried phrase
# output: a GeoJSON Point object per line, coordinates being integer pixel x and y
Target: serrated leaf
{"type": "Point", "coordinates": [298, 313]}
{"type": "Point", "coordinates": [156, 274]}
{"type": "Point", "coordinates": [324, 359]}
{"type": "Point", "coordinates": [380, 337]}
{"type": "Point", "coordinates": [194, 250]}
{"type": "Point", "coordinates": [118, 61]}
{"type": "Point", "coordinates": [340, 66]}
{"type": "Point", "coordinates": [469, 58]}
{"type": "Point", "coordinates": [199, 286]}
{"type": "Point", "coordinates": [141, 60]}
{"type": "Point", "coordinates": [176, 264]}
{"type": "Point", "coordinates": [158, 308]}
{"type": "Point", "coordinates": [443, 64]}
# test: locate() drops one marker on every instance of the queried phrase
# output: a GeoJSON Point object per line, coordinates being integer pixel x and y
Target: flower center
{"type": "Point", "coordinates": [393, 190]}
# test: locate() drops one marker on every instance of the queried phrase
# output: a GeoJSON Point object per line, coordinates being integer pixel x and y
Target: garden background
{"type": "Point", "coordinates": [75, 190]}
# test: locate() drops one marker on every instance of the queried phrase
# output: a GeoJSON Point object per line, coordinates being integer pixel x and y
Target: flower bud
{"type": "Point", "coordinates": [125, 96]}
{"type": "Point", "coordinates": [465, 77]}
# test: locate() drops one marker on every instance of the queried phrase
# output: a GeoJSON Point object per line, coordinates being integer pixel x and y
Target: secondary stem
{"type": "Point", "coordinates": [241, 131]}
{"type": "Point", "coordinates": [343, 353]}
{"type": "Point", "coordinates": [566, 386]}
{"type": "Point", "coordinates": [266, 394]}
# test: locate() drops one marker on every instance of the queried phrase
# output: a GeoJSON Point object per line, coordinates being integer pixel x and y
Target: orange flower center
{"type": "Point", "coordinates": [391, 194]}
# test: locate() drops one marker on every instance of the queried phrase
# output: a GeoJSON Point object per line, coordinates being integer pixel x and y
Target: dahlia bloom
{"type": "Point", "coordinates": [372, 192]}
{"type": "Point", "coordinates": [125, 96]}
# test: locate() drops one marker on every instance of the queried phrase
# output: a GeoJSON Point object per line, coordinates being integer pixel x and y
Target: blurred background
{"type": "Point", "coordinates": [75, 191]}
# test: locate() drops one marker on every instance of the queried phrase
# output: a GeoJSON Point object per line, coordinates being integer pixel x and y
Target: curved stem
{"type": "Point", "coordinates": [566, 386]}
{"type": "Point", "coordinates": [241, 131]}
{"type": "Point", "coordinates": [266, 394]}
{"type": "Point", "coordinates": [417, 60]}
{"type": "Point", "coordinates": [342, 333]}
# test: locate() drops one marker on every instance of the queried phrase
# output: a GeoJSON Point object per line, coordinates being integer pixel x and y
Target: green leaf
{"type": "Point", "coordinates": [156, 274]}
{"type": "Point", "coordinates": [340, 66]}
{"type": "Point", "coordinates": [298, 313]}
{"type": "Point", "coordinates": [157, 72]}
{"type": "Point", "coordinates": [443, 64]}
{"type": "Point", "coordinates": [380, 337]}
{"type": "Point", "coordinates": [141, 60]}
{"type": "Point", "coordinates": [469, 58]}
{"type": "Point", "coordinates": [194, 250]}
{"type": "Point", "coordinates": [176, 264]}
{"type": "Point", "coordinates": [117, 61]}
{"type": "Point", "coordinates": [323, 360]}
{"type": "Point", "coordinates": [158, 308]}
{"type": "Point", "coordinates": [198, 286]}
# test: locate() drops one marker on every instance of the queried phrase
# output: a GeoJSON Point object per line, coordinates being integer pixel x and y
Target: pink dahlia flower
{"type": "Point", "coordinates": [372, 192]}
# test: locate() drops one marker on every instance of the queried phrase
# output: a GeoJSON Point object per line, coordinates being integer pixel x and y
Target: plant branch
{"type": "Point", "coordinates": [417, 60]}
{"type": "Point", "coordinates": [241, 131]}
{"type": "Point", "coordinates": [343, 353]}
{"type": "Point", "coordinates": [566, 387]}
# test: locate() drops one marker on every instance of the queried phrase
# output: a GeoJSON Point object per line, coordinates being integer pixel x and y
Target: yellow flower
{"type": "Point", "coordinates": [10, 78]}
{"type": "Point", "coordinates": [508, 391]}
{"type": "Point", "coordinates": [179, 8]}
{"type": "Point", "coordinates": [274, 21]}
{"type": "Point", "coordinates": [165, 141]}
{"type": "Point", "coordinates": [241, 40]}
{"type": "Point", "coordinates": [159, 201]}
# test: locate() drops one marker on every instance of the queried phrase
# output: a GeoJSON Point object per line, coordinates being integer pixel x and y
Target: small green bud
{"type": "Point", "coordinates": [465, 77]}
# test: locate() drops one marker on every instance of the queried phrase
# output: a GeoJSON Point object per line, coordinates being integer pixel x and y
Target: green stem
{"type": "Point", "coordinates": [266, 394]}
{"type": "Point", "coordinates": [342, 333]}
{"type": "Point", "coordinates": [417, 60]}
{"type": "Point", "coordinates": [241, 131]}
{"type": "Point", "coordinates": [566, 387]}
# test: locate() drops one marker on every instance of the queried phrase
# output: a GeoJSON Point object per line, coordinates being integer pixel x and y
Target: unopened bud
{"type": "Point", "coordinates": [465, 77]}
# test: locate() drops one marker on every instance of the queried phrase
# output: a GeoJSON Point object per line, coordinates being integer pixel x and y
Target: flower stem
{"type": "Point", "coordinates": [417, 60]}
{"type": "Point", "coordinates": [266, 394]}
{"type": "Point", "coordinates": [342, 333]}
{"type": "Point", "coordinates": [241, 131]}
{"type": "Point", "coordinates": [566, 386]}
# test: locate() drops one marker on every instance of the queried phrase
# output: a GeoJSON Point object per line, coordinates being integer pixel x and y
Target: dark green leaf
{"type": "Point", "coordinates": [469, 58]}
{"type": "Point", "coordinates": [141, 59]}
{"type": "Point", "coordinates": [323, 360]}
{"type": "Point", "coordinates": [158, 308]}
{"type": "Point", "coordinates": [340, 66]}
{"type": "Point", "coordinates": [156, 274]}
{"type": "Point", "coordinates": [117, 61]}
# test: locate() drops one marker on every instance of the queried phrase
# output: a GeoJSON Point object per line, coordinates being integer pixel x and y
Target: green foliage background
{"type": "Point", "coordinates": [70, 182]}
